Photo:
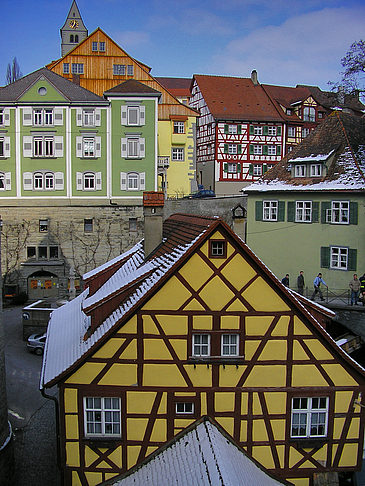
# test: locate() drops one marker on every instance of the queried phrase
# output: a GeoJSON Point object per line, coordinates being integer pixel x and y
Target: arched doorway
{"type": "Point", "coordinates": [42, 285]}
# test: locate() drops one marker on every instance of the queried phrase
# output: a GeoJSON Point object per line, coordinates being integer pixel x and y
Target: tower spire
{"type": "Point", "coordinates": [73, 30]}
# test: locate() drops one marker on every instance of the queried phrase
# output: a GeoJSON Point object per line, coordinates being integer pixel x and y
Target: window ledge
{"type": "Point", "coordinates": [308, 442]}
{"type": "Point", "coordinates": [216, 359]}
{"type": "Point", "coordinates": [104, 442]}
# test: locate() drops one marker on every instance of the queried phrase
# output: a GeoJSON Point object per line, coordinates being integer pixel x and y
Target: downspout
{"type": "Point", "coordinates": [54, 399]}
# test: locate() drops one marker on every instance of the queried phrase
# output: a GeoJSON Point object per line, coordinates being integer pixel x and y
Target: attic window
{"type": "Point", "coordinates": [42, 91]}
{"type": "Point", "coordinates": [217, 249]}
{"type": "Point", "coordinates": [289, 111]}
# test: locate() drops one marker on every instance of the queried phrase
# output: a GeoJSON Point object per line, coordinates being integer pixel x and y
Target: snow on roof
{"type": "Point", "coordinates": [313, 158]}
{"type": "Point", "coordinates": [203, 456]}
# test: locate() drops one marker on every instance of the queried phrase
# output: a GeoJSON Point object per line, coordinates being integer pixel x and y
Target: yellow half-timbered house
{"type": "Point", "coordinates": [199, 327]}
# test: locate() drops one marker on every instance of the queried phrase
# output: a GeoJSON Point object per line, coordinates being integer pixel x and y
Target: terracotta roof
{"type": "Point", "coordinates": [132, 86]}
{"type": "Point", "coordinates": [331, 99]}
{"type": "Point", "coordinates": [230, 98]}
{"type": "Point", "coordinates": [176, 86]}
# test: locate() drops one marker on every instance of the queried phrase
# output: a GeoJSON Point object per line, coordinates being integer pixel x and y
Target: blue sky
{"type": "Point", "coordinates": [287, 42]}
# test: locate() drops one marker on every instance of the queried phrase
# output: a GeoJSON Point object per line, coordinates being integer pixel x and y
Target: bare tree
{"type": "Point", "coordinates": [13, 71]}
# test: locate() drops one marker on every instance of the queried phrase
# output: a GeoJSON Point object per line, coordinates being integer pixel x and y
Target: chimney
{"type": "Point", "coordinates": [254, 77]}
{"type": "Point", "coordinates": [76, 79]}
{"type": "Point", "coordinates": [153, 203]}
{"type": "Point", "coordinates": [341, 95]}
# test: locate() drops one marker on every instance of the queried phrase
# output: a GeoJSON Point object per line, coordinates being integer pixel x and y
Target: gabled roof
{"type": "Point", "coordinates": [339, 141]}
{"type": "Point", "coordinates": [176, 86]}
{"type": "Point", "coordinates": [71, 91]}
{"type": "Point", "coordinates": [132, 87]}
{"type": "Point", "coordinates": [286, 95]}
{"type": "Point", "coordinates": [202, 454]}
{"type": "Point", "coordinates": [69, 340]}
{"type": "Point", "coordinates": [332, 100]}
{"type": "Point", "coordinates": [230, 98]}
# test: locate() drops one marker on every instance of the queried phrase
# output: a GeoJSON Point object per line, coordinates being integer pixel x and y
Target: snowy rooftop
{"type": "Point", "coordinates": [202, 456]}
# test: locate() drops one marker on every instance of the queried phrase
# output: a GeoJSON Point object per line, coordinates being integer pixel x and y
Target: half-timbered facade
{"type": "Point", "coordinates": [200, 327]}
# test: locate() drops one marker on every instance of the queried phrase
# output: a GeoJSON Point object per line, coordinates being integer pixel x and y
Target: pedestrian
{"type": "Point", "coordinates": [362, 289]}
{"type": "Point", "coordinates": [317, 286]}
{"type": "Point", "coordinates": [355, 286]}
{"type": "Point", "coordinates": [300, 282]}
{"type": "Point", "coordinates": [285, 280]}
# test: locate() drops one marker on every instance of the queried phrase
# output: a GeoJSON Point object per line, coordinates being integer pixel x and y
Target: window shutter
{"type": "Point", "coordinates": [142, 147]}
{"type": "Point", "coordinates": [259, 210]}
{"type": "Point", "coordinates": [58, 144]}
{"type": "Point", "coordinates": [278, 131]}
{"type": "Point", "coordinates": [239, 149]}
{"type": "Point", "coordinates": [27, 116]}
{"type": "Point", "coordinates": [58, 116]}
{"type": "Point", "coordinates": [98, 146]}
{"type": "Point", "coordinates": [251, 130]}
{"type": "Point", "coordinates": [278, 150]}
{"type": "Point", "coordinates": [325, 257]}
{"type": "Point", "coordinates": [291, 211]}
{"type": "Point", "coordinates": [251, 149]}
{"type": "Point", "coordinates": [7, 181]}
{"type": "Point", "coordinates": [7, 146]}
{"type": "Point", "coordinates": [27, 181]}
{"type": "Point", "coordinates": [142, 181]}
{"type": "Point", "coordinates": [79, 181]}
{"type": "Point", "coordinates": [281, 210]}
{"type": "Point", "coordinates": [123, 181]}
{"type": "Point", "coordinates": [352, 259]}
{"type": "Point", "coordinates": [225, 167]}
{"type": "Point", "coordinates": [78, 146]}
{"type": "Point", "coordinates": [58, 183]}
{"type": "Point", "coordinates": [124, 147]}
{"type": "Point", "coordinates": [98, 181]}
{"type": "Point", "coordinates": [353, 213]}
{"type": "Point", "coordinates": [264, 168]}
{"type": "Point", "coordinates": [324, 207]}
{"type": "Point", "coordinates": [6, 117]}
{"type": "Point", "coordinates": [142, 115]}
{"type": "Point", "coordinates": [239, 168]}
{"type": "Point", "coordinates": [226, 129]}
{"type": "Point", "coordinates": [79, 118]}
{"type": "Point", "coordinates": [27, 146]}
{"type": "Point", "coordinates": [226, 148]}
{"type": "Point", "coordinates": [239, 129]}
{"type": "Point", "coordinates": [123, 119]}
{"type": "Point", "coordinates": [266, 130]}
{"type": "Point", "coordinates": [265, 149]}
{"type": "Point", "coordinates": [250, 169]}
{"type": "Point", "coordinates": [97, 117]}
{"type": "Point", "coordinates": [315, 212]}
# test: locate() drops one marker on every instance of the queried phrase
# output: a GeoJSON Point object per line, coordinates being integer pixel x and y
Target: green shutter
{"type": "Point", "coordinates": [315, 212]}
{"type": "Point", "coordinates": [239, 149]}
{"type": "Point", "coordinates": [251, 130]}
{"type": "Point", "coordinates": [225, 128]}
{"type": "Point", "coordinates": [258, 210]}
{"type": "Point", "coordinates": [250, 169]}
{"type": "Point", "coordinates": [251, 149]}
{"type": "Point", "coordinates": [278, 131]}
{"type": "Point", "coordinates": [324, 206]}
{"type": "Point", "coordinates": [226, 148]}
{"type": "Point", "coordinates": [278, 150]}
{"type": "Point", "coordinates": [225, 167]}
{"type": "Point", "coordinates": [239, 129]}
{"type": "Point", "coordinates": [265, 150]}
{"type": "Point", "coordinates": [352, 260]}
{"type": "Point", "coordinates": [325, 257]}
{"type": "Point", "coordinates": [291, 211]}
{"type": "Point", "coordinates": [281, 211]}
{"type": "Point", "coordinates": [353, 213]}
{"type": "Point", "coordinates": [239, 168]}
{"type": "Point", "coordinates": [264, 168]}
{"type": "Point", "coordinates": [266, 130]}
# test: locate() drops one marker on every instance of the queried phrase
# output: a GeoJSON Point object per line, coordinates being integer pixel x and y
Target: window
{"type": "Point", "coordinates": [299, 171]}
{"type": "Point", "coordinates": [66, 68]}
{"type": "Point", "coordinates": [76, 39]}
{"type": "Point", "coordinates": [289, 111]}
{"type": "Point", "coordinates": [340, 212]}
{"type": "Point", "coordinates": [270, 211]}
{"type": "Point", "coordinates": [88, 147]}
{"type": "Point", "coordinates": [232, 149]}
{"type": "Point", "coordinates": [43, 147]}
{"type": "Point", "coordinates": [42, 117]}
{"type": "Point", "coordinates": [232, 129]}
{"type": "Point", "coordinates": [339, 257]}
{"type": "Point", "coordinates": [71, 38]}
{"type": "Point", "coordinates": [119, 69]}
{"type": "Point", "coordinates": [184, 407]}
{"type": "Point", "coordinates": [43, 180]}
{"type": "Point", "coordinates": [315, 170]}
{"type": "Point", "coordinates": [132, 181]}
{"type": "Point", "coordinates": [257, 170]}
{"type": "Point", "coordinates": [130, 70]}
{"type": "Point", "coordinates": [2, 117]}
{"type": "Point", "coordinates": [271, 131]}
{"type": "Point", "coordinates": [43, 225]}
{"type": "Point", "coordinates": [177, 153]}
{"type": "Point", "coordinates": [2, 151]}
{"type": "Point", "coordinates": [77, 68]}
{"type": "Point", "coordinates": [303, 211]}
{"type": "Point", "coordinates": [88, 225]}
{"type": "Point", "coordinates": [291, 131]}
{"type": "Point", "coordinates": [133, 115]}
{"type": "Point", "coordinates": [42, 252]}
{"type": "Point", "coordinates": [201, 345]}
{"type": "Point", "coordinates": [53, 252]}
{"type": "Point", "coordinates": [309, 114]}
{"type": "Point", "coordinates": [2, 180]}
{"type": "Point", "coordinates": [94, 46]}
{"type": "Point", "coordinates": [217, 248]}
{"type": "Point", "coordinates": [132, 147]}
{"type": "Point", "coordinates": [257, 130]}
{"type": "Point", "coordinates": [229, 345]}
{"type": "Point", "coordinates": [102, 46]}
{"type": "Point", "coordinates": [309, 417]}
{"type": "Point", "coordinates": [257, 149]}
{"type": "Point", "coordinates": [305, 132]}
{"type": "Point", "coordinates": [31, 251]}
{"type": "Point", "coordinates": [231, 168]}
{"type": "Point", "coordinates": [179, 127]}
{"type": "Point", "coordinates": [88, 181]}
{"type": "Point", "coordinates": [271, 150]}
{"type": "Point", "coordinates": [102, 416]}
{"type": "Point", "coordinates": [132, 225]}
{"type": "Point", "coordinates": [88, 118]}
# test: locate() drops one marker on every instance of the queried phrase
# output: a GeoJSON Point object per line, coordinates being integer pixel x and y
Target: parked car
{"type": "Point", "coordinates": [201, 194]}
{"type": "Point", "coordinates": [36, 343]}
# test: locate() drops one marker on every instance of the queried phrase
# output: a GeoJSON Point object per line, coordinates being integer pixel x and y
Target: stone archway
{"type": "Point", "coordinates": [42, 285]}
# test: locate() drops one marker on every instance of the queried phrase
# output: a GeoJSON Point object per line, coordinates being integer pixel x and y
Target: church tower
{"type": "Point", "coordinates": [73, 30]}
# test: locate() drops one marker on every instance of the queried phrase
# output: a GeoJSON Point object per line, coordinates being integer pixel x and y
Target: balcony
{"type": "Point", "coordinates": [163, 162]}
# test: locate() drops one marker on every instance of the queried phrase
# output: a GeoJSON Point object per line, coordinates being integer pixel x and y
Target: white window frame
{"type": "Point", "coordinates": [231, 168]}
{"type": "Point", "coordinates": [89, 181]}
{"type": "Point", "coordinates": [88, 147]}
{"type": "Point", "coordinates": [270, 210]}
{"type": "Point", "coordinates": [179, 127]}
{"type": "Point", "coordinates": [300, 170]}
{"type": "Point", "coordinates": [309, 114]}
{"type": "Point", "coordinates": [339, 257]}
{"type": "Point", "coordinates": [132, 147]}
{"type": "Point", "coordinates": [292, 132]}
{"type": "Point", "coordinates": [2, 147]}
{"type": "Point", "coordinates": [315, 170]}
{"type": "Point", "coordinates": [230, 348]}
{"type": "Point", "coordinates": [94, 46]}
{"type": "Point", "coordinates": [97, 411]}
{"type": "Point", "coordinates": [178, 154]}
{"type": "Point", "coordinates": [198, 346]}
{"type": "Point", "coordinates": [271, 150]}
{"type": "Point", "coordinates": [303, 211]}
{"type": "Point", "coordinates": [130, 70]}
{"type": "Point", "coordinates": [77, 68]}
{"type": "Point", "coordinates": [88, 118]}
{"type": "Point", "coordinates": [43, 181]}
{"type": "Point", "coordinates": [119, 69]}
{"type": "Point", "coordinates": [340, 212]}
{"type": "Point", "coordinates": [257, 130]}
{"type": "Point", "coordinates": [102, 46]}
{"type": "Point", "coordinates": [232, 149]}
{"type": "Point", "coordinates": [132, 181]}
{"type": "Point", "coordinates": [310, 412]}
{"type": "Point", "coordinates": [257, 150]}
{"type": "Point", "coordinates": [133, 115]}
{"type": "Point", "coordinates": [43, 146]}
{"type": "Point", "coordinates": [185, 408]}
{"type": "Point", "coordinates": [257, 169]}
{"type": "Point", "coordinates": [2, 117]}
{"type": "Point", "coordinates": [271, 131]}
{"type": "Point", "coordinates": [43, 117]}
{"type": "Point", "coordinates": [66, 68]}
{"type": "Point", "coordinates": [305, 132]}
{"type": "Point", "coordinates": [232, 129]}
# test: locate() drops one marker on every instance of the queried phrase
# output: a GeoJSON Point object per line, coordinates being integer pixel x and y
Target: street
{"type": "Point", "coordinates": [31, 415]}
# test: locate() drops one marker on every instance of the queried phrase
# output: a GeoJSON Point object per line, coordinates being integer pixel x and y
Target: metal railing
{"type": "Point", "coordinates": [331, 296]}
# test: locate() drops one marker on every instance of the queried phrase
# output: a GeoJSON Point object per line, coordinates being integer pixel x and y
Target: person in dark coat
{"type": "Point", "coordinates": [300, 282]}
{"type": "Point", "coordinates": [285, 280]}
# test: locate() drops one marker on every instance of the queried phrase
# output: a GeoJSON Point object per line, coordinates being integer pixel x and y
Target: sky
{"type": "Point", "coordinates": [288, 42]}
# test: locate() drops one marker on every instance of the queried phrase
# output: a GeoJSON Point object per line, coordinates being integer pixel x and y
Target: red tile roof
{"type": "Point", "coordinates": [176, 86]}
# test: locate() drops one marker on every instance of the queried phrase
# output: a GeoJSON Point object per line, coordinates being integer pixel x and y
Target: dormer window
{"type": "Point", "coordinates": [316, 170]}
{"type": "Point", "coordinates": [289, 111]}
{"type": "Point", "coordinates": [299, 171]}
{"type": "Point", "coordinates": [309, 114]}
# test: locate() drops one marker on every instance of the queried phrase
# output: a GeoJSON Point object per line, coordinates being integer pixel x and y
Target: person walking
{"type": "Point", "coordinates": [300, 282]}
{"type": "Point", "coordinates": [285, 280]}
{"type": "Point", "coordinates": [317, 286]}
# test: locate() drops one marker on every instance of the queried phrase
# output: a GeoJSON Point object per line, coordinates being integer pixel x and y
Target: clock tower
{"type": "Point", "coordinates": [73, 30]}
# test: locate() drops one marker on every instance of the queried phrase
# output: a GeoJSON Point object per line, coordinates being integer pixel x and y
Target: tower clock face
{"type": "Point", "coordinates": [73, 24]}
